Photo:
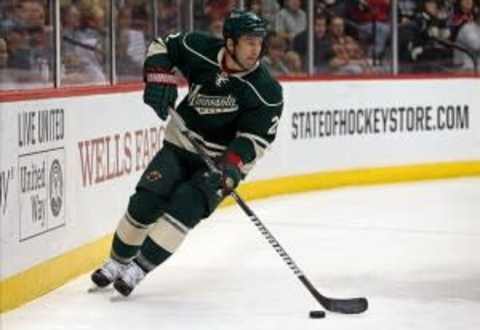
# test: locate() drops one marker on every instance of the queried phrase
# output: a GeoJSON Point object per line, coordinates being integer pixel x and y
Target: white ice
{"type": "Point", "coordinates": [412, 249]}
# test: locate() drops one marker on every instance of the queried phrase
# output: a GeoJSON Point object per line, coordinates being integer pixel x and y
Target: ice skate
{"type": "Point", "coordinates": [129, 278]}
{"type": "Point", "coordinates": [108, 273]}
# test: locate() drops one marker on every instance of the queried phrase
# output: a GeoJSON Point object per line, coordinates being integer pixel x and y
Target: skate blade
{"type": "Point", "coordinates": [97, 289]}
{"type": "Point", "coordinates": [118, 297]}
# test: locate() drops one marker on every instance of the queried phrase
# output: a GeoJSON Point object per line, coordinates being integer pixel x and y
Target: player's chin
{"type": "Point", "coordinates": [249, 63]}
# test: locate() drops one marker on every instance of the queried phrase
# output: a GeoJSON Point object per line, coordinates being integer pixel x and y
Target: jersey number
{"type": "Point", "coordinates": [273, 129]}
{"type": "Point", "coordinates": [172, 36]}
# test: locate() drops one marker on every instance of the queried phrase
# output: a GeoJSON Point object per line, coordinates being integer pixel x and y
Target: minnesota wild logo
{"type": "Point", "coordinates": [153, 176]}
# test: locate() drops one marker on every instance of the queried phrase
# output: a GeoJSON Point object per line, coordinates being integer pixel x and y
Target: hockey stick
{"type": "Point", "coordinates": [345, 306]}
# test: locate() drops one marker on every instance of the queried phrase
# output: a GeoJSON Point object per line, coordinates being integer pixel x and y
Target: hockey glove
{"type": "Point", "coordinates": [216, 185]}
{"type": "Point", "coordinates": [230, 177]}
{"type": "Point", "coordinates": [220, 183]}
{"type": "Point", "coordinates": [160, 90]}
{"type": "Point", "coordinates": [229, 165]}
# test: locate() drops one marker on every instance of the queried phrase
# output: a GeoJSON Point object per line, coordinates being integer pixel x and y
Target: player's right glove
{"type": "Point", "coordinates": [160, 89]}
{"type": "Point", "coordinates": [229, 166]}
{"type": "Point", "coordinates": [216, 185]}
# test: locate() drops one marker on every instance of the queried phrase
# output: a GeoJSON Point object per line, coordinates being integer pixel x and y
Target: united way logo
{"type": "Point", "coordinates": [56, 187]}
{"type": "Point", "coordinates": [42, 192]}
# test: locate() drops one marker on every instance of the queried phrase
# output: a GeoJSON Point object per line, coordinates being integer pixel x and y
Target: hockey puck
{"type": "Point", "coordinates": [317, 314]}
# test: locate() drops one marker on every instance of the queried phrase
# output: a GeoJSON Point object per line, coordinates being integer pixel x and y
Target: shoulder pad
{"type": "Point", "coordinates": [201, 44]}
{"type": "Point", "coordinates": [266, 89]}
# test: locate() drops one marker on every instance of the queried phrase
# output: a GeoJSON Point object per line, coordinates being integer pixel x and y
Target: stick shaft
{"type": "Point", "coordinates": [246, 209]}
{"type": "Point", "coordinates": [349, 306]}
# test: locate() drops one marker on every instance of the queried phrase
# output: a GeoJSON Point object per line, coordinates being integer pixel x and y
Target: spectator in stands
{"type": "Point", "coordinates": [419, 50]}
{"type": "Point", "coordinates": [134, 39]}
{"type": "Point", "coordinates": [92, 44]}
{"type": "Point", "coordinates": [331, 8]}
{"type": "Point", "coordinates": [141, 15]}
{"type": "Point", "coordinates": [270, 9]}
{"type": "Point", "coordinates": [3, 54]}
{"type": "Point", "coordinates": [6, 15]}
{"type": "Point", "coordinates": [43, 52]}
{"type": "Point", "coordinates": [70, 20]}
{"type": "Point", "coordinates": [30, 42]}
{"type": "Point", "coordinates": [128, 69]}
{"type": "Point", "coordinates": [7, 77]}
{"type": "Point", "coordinates": [28, 60]}
{"type": "Point", "coordinates": [274, 58]}
{"type": "Point", "coordinates": [321, 41]}
{"type": "Point", "coordinates": [93, 21]}
{"type": "Point", "coordinates": [293, 62]}
{"type": "Point", "coordinates": [218, 9]}
{"type": "Point", "coordinates": [267, 9]}
{"type": "Point", "coordinates": [14, 17]}
{"type": "Point", "coordinates": [464, 12]}
{"type": "Point", "coordinates": [72, 70]}
{"type": "Point", "coordinates": [5, 10]}
{"type": "Point", "coordinates": [406, 10]}
{"type": "Point", "coordinates": [130, 47]}
{"type": "Point", "coordinates": [469, 37]}
{"type": "Point", "coordinates": [167, 20]}
{"type": "Point", "coordinates": [34, 14]}
{"type": "Point", "coordinates": [255, 6]}
{"type": "Point", "coordinates": [207, 11]}
{"type": "Point", "coordinates": [216, 28]}
{"type": "Point", "coordinates": [20, 54]}
{"type": "Point", "coordinates": [348, 57]}
{"type": "Point", "coordinates": [71, 23]}
{"type": "Point", "coordinates": [86, 5]}
{"type": "Point", "coordinates": [373, 18]}
{"type": "Point", "coordinates": [291, 20]}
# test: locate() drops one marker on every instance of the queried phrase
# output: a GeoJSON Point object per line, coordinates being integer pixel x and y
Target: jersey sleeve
{"type": "Point", "coordinates": [167, 52]}
{"type": "Point", "coordinates": [257, 129]}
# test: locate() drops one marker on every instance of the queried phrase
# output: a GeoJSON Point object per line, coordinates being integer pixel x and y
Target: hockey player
{"type": "Point", "coordinates": [233, 108]}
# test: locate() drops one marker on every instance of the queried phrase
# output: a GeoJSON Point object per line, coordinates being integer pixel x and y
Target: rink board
{"type": "Point", "coordinates": [68, 165]}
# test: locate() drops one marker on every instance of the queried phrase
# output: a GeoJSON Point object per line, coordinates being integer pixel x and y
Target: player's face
{"type": "Point", "coordinates": [248, 50]}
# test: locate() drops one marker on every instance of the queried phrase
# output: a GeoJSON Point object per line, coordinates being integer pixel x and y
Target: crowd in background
{"type": "Point", "coordinates": [349, 36]}
{"type": "Point", "coordinates": [25, 42]}
{"type": "Point", "coordinates": [354, 36]}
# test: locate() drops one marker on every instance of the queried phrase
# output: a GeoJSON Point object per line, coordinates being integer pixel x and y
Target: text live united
{"type": "Point", "coordinates": [40, 126]}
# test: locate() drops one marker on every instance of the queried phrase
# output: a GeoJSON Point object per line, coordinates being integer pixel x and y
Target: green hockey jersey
{"type": "Point", "coordinates": [238, 112]}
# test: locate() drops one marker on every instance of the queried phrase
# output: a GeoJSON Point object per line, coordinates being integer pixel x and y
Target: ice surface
{"type": "Point", "coordinates": [412, 249]}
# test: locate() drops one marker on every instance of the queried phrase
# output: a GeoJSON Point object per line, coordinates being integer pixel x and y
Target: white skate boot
{"type": "Point", "coordinates": [108, 273]}
{"type": "Point", "coordinates": [129, 278]}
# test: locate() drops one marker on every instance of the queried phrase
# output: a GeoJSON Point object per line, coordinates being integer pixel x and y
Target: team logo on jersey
{"type": "Point", "coordinates": [56, 188]}
{"type": "Point", "coordinates": [153, 176]}
{"type": "Point", "coordinates": [210, 104]}
{"type": "Point", "coordinates": [221, 79]}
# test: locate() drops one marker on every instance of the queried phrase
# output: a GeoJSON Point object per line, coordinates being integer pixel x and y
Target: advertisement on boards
{"type": "Point", "coordinates": [41, 164]}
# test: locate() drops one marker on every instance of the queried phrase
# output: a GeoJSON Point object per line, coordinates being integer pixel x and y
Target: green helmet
{"type": "Point", "coordinates": [240, 23]}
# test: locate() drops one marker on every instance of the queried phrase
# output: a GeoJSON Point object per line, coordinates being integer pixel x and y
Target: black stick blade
{"type": "Point", "coordinates": [345, 306]}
